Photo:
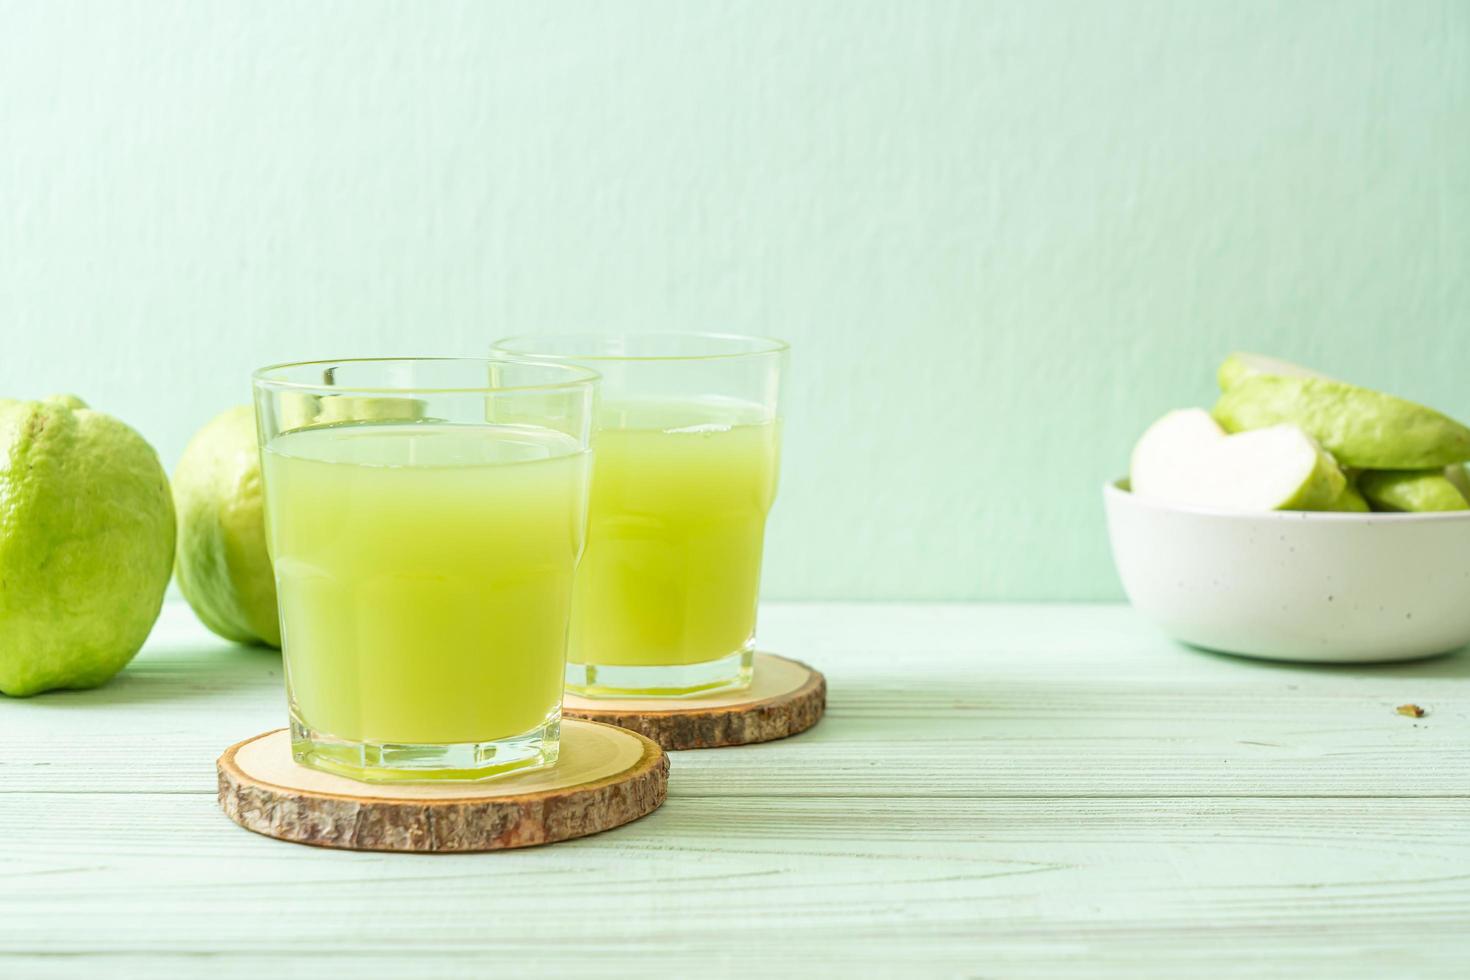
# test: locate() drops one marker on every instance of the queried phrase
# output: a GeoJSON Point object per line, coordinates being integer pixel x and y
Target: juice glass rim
{"type": "Point", "coordinates": [575, 376]}
{"type": "Point", "coordinates": [584, 346]}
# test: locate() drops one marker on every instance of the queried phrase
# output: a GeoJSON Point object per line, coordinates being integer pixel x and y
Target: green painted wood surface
{"type": "Point", "coordinates": [997, 791]}
{"type": "Point", "coordinates": [1003, 235]}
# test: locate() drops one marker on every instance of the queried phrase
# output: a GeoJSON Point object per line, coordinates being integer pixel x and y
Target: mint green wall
{"type": "Point", "coordinates": [1002, 236]}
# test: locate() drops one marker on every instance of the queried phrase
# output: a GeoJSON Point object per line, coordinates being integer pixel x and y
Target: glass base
{"type": "Point", "coordinates": [389, 762]}
{"type": "Point", "coordinates": [730, 673]}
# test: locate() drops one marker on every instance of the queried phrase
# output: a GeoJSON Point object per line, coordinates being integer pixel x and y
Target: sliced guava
{"type": "Point", "coordinates": [1243, 365]}
{"type": "Point", "coordinates": [1459, 475]}
{"type": "Point", "coordinates": [1187, 458]}
{"type": "Point", "coordinates": [1351, 500]}
{"type": "Point", "coordinates": [1360, 427]}
{"type": "Point", "coordinates": [1412, 490]}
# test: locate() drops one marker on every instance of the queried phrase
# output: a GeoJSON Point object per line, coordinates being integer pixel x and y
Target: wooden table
{"type": "Point", "coordinates": [996, 791]}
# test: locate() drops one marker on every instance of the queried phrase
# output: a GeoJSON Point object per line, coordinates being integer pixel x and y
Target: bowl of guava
{"type": "Point", "coordinates": [1301, 518]}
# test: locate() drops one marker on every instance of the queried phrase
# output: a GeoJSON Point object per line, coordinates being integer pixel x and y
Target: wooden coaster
{"type": "Point", "coordinates": [605, 777]}
{"type": "Point", "coordinates": [785, 698]}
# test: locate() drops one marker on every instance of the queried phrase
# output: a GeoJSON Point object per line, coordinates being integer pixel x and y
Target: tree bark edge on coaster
{"type": "Point", "coordinates": [262, 789]}
{"type": "Point", "coordinates": [721, 719]}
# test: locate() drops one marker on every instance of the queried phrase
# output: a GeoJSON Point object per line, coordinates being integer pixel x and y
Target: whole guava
{"type": "Point", "coordinates": [86, 544]}
{"type": "Point", "coordinates": [223, 568]}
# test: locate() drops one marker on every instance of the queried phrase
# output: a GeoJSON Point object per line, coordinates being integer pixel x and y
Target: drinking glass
{"type": "Point", "coordinates": [424, 518]}
{"type": "Point", "coordinates": [687, 445]}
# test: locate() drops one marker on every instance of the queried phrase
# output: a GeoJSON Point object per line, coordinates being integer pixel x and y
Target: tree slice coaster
{"type": "Point", "coordinates": [786, 697]}
{"type": "Point", "coordinates": [605, 777]}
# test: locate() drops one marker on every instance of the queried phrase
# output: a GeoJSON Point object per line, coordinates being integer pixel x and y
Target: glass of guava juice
{"type": "Point", "coordinates": [424, 518]}
{"type": "Point", "coordinates": [688, 444]}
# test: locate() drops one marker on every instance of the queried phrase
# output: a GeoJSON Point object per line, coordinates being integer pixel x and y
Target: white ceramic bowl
{"type": "Point", "coordinates": [1291, 585]}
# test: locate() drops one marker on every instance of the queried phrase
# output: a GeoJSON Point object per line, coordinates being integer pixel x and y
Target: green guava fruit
{"type": "Point", "coordinates": [223, 568]}
{"type": "Point", "coordinates": [1361, 428]}
{"type": "Point", "coordinates": [1412, 490]}
{"type": "Point", "coordinates": [1186, 458]}
{"type": "Point", "coordinates": [86, 544]}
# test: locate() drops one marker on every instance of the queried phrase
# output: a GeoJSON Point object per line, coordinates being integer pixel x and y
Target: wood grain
{"type": "Point", "coordinates": [607, 777]}
{"type": "Point", "coordinates": [786, 698]}
{"type": "Point", "coordinates": [995, 791]}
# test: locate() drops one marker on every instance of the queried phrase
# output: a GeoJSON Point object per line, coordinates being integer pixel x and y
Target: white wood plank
{"type": "Point", "coordinates": [955, 885]}
{"type": "Point", "coordinates": [912, 713]}
{"type": "Point", "coordinates": [998, 791]}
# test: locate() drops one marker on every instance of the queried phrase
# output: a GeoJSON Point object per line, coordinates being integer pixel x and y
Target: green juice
{"type": "Point", "coordinates": [425, 574]}
{"type": "Point", "coordinates": [676, 523]}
